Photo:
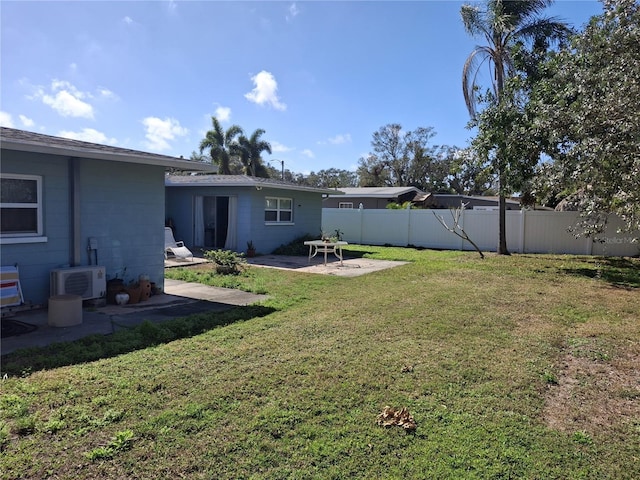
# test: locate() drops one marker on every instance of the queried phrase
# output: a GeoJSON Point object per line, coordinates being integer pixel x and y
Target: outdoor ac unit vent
{"type": "Point", "coordinates": [88, 282]}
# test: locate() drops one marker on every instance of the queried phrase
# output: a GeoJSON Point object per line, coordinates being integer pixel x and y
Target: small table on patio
{"type": "Point", "coordinates": [321, 246]}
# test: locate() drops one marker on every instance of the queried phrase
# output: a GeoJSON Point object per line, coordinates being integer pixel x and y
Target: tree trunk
{"type": "Point", "coordinates": [502, 220]}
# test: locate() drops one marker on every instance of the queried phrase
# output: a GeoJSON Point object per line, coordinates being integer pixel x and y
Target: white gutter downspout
{"type": "Point", "coordinates": [75, 253]}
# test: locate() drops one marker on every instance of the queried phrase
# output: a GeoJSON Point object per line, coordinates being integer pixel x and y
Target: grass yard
{"type": "Point", "coordinates": [524, 366]}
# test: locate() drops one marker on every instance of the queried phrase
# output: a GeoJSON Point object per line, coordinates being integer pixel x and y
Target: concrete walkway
{"type": "Point", "coordinates": [179, 299]}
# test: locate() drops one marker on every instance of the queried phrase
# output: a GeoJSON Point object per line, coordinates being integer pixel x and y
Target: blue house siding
{"type": "Point", "coordinates": [179, 209]}
{"type": "Point", "coordinates": [121, 205]}
{"type": "Point", "coordinates": [35, 260]}
{"type": "Point", "coordinates": [251, 226]}
{"type": "Point", "coordinates": [307, 219]}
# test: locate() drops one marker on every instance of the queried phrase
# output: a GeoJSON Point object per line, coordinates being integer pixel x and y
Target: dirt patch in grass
{"type": "Point", "coordinates": [591, 393]}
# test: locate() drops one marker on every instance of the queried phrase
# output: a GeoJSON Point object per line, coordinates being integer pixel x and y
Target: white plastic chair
{"type": "Point", "coordinates": [177, 249]}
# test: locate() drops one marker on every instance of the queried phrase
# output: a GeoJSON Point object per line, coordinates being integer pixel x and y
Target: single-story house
{"type": "Point", "coordinates": [67, 203]}
{"type": "Point", "coordinates": [443, 200]}
{"type": "Point", "coordinates": [369, 197]}
{"type": "Point", "coordinates": [380, 197]}
{"type": "Point", "coordinates": [228, 211]}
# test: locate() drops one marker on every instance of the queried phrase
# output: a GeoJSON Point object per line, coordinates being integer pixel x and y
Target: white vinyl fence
{"type": "Point", "coordinates": [527, 231]}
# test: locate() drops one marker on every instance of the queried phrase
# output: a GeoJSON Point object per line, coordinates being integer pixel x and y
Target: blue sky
{"type": "Point", "coordinates": [319, 77]}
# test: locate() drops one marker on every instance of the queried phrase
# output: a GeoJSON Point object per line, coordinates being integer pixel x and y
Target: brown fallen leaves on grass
{"type": "Point", "coordinates": [392, 417]}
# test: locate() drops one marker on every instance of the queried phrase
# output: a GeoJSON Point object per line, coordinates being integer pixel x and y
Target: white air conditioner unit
{"type": "Point", "coordinates": [88, 282]}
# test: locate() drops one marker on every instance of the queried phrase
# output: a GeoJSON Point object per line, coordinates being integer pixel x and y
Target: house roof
{"type": "Point", "coordinates": [421, 197]}
{"type": "Point", "coordinates": [374, 192]}
{"type": "Point", "coordinates": [23, 141]}
{"type": "Point", "coordinates": [475, 197]}
{"type": "Point", "coordinates": [237, 181]}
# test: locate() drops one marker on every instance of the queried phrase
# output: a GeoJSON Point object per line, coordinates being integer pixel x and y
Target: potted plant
{"type": "Point", "coordinates": [115, 285]}
{"type": "Point", "coordinates": [227, 261]}
{"type": "Point", "coordinates": [134, 290]}
{"type": "Point", "coordinates": [251, 249]}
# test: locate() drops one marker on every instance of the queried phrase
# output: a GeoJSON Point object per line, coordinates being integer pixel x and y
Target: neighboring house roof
{"type": "Point", "coordinates": [237, 181]}
{"type": "Point", "coordinates": [473, 197]}
{"type": "Point", "coordinates": [374, 192]}
{"type": "Point", "coordinates": [421, 197]}
{"type": "Point", "coordinates": [23, 141]}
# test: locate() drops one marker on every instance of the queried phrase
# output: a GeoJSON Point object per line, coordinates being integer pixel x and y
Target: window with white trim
{"type": "Point", "coordinates": [278, 210]}
{"type": "Point", "coordinates": [345, 205]}
{"type": "Point", "coordinates": [20, 205]}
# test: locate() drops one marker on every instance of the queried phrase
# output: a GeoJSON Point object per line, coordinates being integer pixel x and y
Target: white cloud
{"type": "Point", "coordinates": [6, 120]}
{"type": "Point", "coordinates": [68, 105]}
{"type": "Point", "coordinates": [106, 93]}
{"type": "Point", "coordinates": [277, 147]}
{"type": "Point", "coordinates": [88, 135]}
{"type": "Point", "coordinates": [65, 99]}
{"type": "Point", "coordinates": [307, 153]}
{"type": "Point", "coordinates": [340, 139]}
{"type": "Point", "coordinates": [26, 121]}
{"type": "Point", "coordinates": [159, 132]}
{"type": "Point", "coordinates": [65, 85]}
{"type": "Point", "coordinates": [129, 22]}
{"type": "Point", "coordinates": [265, 91]}
{"type": "Point", "coordinates": [294, 11]}
{"type": "Point", "coordinates": [223, 114]}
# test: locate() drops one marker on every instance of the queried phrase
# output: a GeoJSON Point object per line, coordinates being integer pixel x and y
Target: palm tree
{"type": "Point", "coordinates": [222, 145]}
{"type": "Point", "coordinates": [503, 24]}
{"type": "Point", "coordinates": [250, 153]}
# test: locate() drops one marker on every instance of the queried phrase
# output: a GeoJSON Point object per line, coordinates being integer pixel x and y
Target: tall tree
{"type": "Point", "coordinates": [589, 108]}
{"type": "Point", "coordinates": [502, 24]}
{"type": "Point", "coordinates": [200, 157]}
{"type": "Point", "coordinates": [398, 157]}
{"type": "Point", "coordinates": [331, 178]}
{"type": "Point", "coordinates": [468, 175]}
{"type": "Point", "coordinates": [251, 153]}
{"type": "Point", "coordinates": [222, 145]}
{"type": "Point", "coordinates": [372, 172]}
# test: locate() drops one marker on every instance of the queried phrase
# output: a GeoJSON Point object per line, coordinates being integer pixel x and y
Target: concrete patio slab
{"type": "Point", "coordinates": [180, 299]}
{"type": "Point", "coordinates": [351, 267]}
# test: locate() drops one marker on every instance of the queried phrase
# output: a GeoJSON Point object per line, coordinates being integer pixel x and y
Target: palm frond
{"type": "Point", "coordinates": [250, 151]}
{"type": "Point", "coordinates": [520, 10]}
{"type": "Point", "coordinates": [255, 136]}
{"type": "Point", "coordinates": [550, 28]}
{"type": "Point", "coordinates": [472, 19]}
{"type": "Point", "coordinates": [217, 128]}
{"type": "Point", "coordinates": [221, 144]}
{"type": "Point", "coordinates": [470, 71]}
{"type": "Point", "coordinates": [503, 23]}
{"type": "Point", "coordinates": [232, 132]}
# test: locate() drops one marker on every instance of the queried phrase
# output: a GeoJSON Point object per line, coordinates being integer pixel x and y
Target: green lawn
{"type": "Point", "coordinates": [513, 367]}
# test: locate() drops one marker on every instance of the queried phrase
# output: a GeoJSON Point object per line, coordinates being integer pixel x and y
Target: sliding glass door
{"type": "Point", "coordinates": [215, 220]}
